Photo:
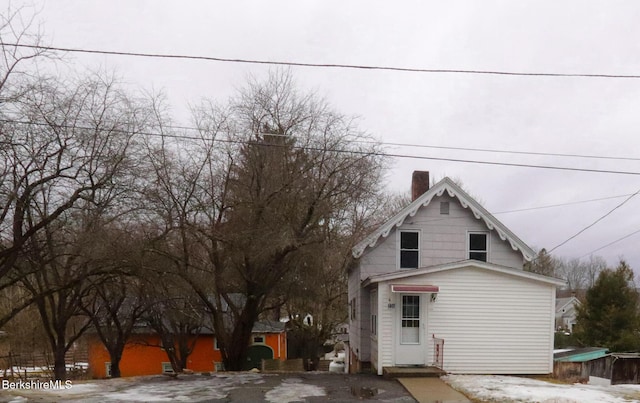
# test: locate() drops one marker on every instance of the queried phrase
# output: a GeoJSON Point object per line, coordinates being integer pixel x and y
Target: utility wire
{"type": "Point", "coordinates": [560, 204]}
{"type": "Point", "coordinates": [357, 152]}
{"type": "Point", "coordinates": [183, 137]}
{"type": "Point", "coordinates": [471, 149]}
{"type": "Point", "coordinates": [490, 150]}
{"type": "Point", "coordinates": [596, 221]}
{"type": "Point", "coordinates": [320, 65]}
{"type": "Point", "coordinates": [610, 243]}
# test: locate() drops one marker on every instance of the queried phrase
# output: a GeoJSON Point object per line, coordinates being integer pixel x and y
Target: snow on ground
{"type": "Point", "coordinates": [292, 390]}
{"type": "Point", "coordinates": [493, 388]}
{"type": "Point", "coordinates": [141, 389]}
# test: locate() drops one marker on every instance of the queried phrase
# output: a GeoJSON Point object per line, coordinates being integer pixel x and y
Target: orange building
{"type": "Point", "coordinates": [142, 357]}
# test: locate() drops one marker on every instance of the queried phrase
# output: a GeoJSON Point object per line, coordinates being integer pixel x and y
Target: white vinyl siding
{"type": "Point", "coordinates": [487, 322]}
{"type": "Point", "coordinates": [385, 348]}
{"type": "Point", "coordinates": [443, 239]}
{"type": "Point", "coordinates": [374, 300]}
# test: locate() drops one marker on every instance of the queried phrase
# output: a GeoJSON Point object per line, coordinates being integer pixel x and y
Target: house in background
{"type": "Point", "coordinates": [142, 357]}
{"type": "Point", "coordinates": [442, 283]}
{"type": "Point", "coordinates": [566, 312]}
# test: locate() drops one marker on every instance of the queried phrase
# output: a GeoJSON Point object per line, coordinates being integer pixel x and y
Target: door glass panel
{"type": "Point", "coordinates": [410, 327]}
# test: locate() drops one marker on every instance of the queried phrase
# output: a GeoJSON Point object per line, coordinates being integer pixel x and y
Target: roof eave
{"type": "Point", "coordinates": [457, 265]}
{"type": "Point", "coordinates": [465, 200]}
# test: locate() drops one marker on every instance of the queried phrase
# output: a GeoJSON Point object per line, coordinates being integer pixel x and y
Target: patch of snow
{"type": "Point", "coordinates": [562, 350]}
{"type": "Point", "coordinates": [516, 389]}
{"type": "Point", "coordinates": [293, 390]}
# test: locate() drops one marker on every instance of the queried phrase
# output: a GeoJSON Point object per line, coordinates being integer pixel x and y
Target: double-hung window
{"type": "Point", "coordinates": [409, 249]}
{"type": "Point", "coordinates": [478, 246]}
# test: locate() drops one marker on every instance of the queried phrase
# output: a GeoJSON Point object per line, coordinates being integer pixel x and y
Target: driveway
{"type": "Point", "coordinates": [224, 387]}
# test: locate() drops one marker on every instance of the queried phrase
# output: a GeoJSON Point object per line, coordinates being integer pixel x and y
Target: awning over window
{"type": "Point", "coordinates": [414, 288]}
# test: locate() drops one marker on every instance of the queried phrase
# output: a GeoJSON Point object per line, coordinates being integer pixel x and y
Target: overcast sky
{"type": "Point", "coordinates": [566, 115]}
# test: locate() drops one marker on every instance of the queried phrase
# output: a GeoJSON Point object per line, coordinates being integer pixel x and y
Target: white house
{"type": "Point", "coordinates": [566, 313]}
{"type": "Point", "coordinates": [442, 283]}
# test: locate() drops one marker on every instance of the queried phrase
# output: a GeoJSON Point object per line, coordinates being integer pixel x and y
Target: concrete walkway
{"type": "Point", "coordinates": [432, 390]}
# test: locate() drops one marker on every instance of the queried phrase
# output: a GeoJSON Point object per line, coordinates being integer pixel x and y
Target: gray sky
{"type": "Point", "coordinates": [591, 116]}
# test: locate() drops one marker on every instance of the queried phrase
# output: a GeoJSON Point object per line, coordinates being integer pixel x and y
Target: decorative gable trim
{"type": "Point", "coordinates": [466, 201]}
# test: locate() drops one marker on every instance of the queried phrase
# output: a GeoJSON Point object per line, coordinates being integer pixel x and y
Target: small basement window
{"type": "Point", "coordinates": [478, 246]}
{"type": "Point", "coordinates": [167, 368]}
{"type": "Point", "coordinates": [409, 249]}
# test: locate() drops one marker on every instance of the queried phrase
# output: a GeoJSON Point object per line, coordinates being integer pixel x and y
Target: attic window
{"type": "Point", "coordinates": [444, 208]}
{"type": "Point", "coordinates": [409, 249]}
{"type": "Point", "coordinates": [478, 247]}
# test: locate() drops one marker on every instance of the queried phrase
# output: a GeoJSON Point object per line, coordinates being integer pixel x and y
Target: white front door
{"type": "Point", "coordinates": [410, 343]}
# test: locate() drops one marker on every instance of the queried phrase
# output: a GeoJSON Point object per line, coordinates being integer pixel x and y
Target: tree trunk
{"type": "Point", "coordinates": [115, 357]}
{"type": "Point", "coordinates": [59, 364]}
{"type": "Point", "coordinates": [237, 349]}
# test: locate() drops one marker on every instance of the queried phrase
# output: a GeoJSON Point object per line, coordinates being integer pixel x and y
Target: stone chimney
{"type": "Point", "coordinates": [419, 183]}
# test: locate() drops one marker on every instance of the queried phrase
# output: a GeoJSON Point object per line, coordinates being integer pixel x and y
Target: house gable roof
{"type": "Point", "coordinates": [403, 274]}
{"type": "Point", "coordinates": [467, 202]}
{"type": "Point", "coordinates": [564, 303]}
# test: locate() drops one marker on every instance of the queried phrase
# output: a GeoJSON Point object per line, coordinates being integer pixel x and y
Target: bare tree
{"type": "Point", "coordinates": [63, 173]}
{"type": "Point", "coordinates": [236, 209]}
{"type": "Point", "coordinates": [580, 275]}
{"type": "Point", "coordinates": [21, 45]}
{"type": "Point", "coordinates": [68, 152]}
{"type": "Point", "coordinates": [118, 299]}
{"type": "Point", "coordinates": [293, 168]}
{"type": "Point", "coordinates": [176, 316]}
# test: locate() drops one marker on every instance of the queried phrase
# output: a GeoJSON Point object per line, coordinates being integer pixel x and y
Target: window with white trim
{"type": "Point", "coordinates": [409, 249]}
{"type": "Point", "coordinates": [167, 368]}
{"type": "Point", "coordinates": [478, 246]}
{"type": "Point", "coordinates": [258, 339]}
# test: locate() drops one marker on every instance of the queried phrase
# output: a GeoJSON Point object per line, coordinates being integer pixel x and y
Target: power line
{"type": "Point", "coordinates": [321, 65]}
{"type": "Point", "coordinates": [429, 146]}
{"type": "Point", "coordinates": [371, 153]}
{"type": "Point", "coordinates": [183, 137]}
{"type": "Point", "coordinates": [610, 243]}
{"type": "Point", "coordinates": [596, 221]}
{"type": "Point", "coordinates": [560, 204]}
{"type": "Point", "coordinates": [490, 150]}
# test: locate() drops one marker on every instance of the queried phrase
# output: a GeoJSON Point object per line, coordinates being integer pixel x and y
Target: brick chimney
{"type": "Point", "coordinates": [419, 183]}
